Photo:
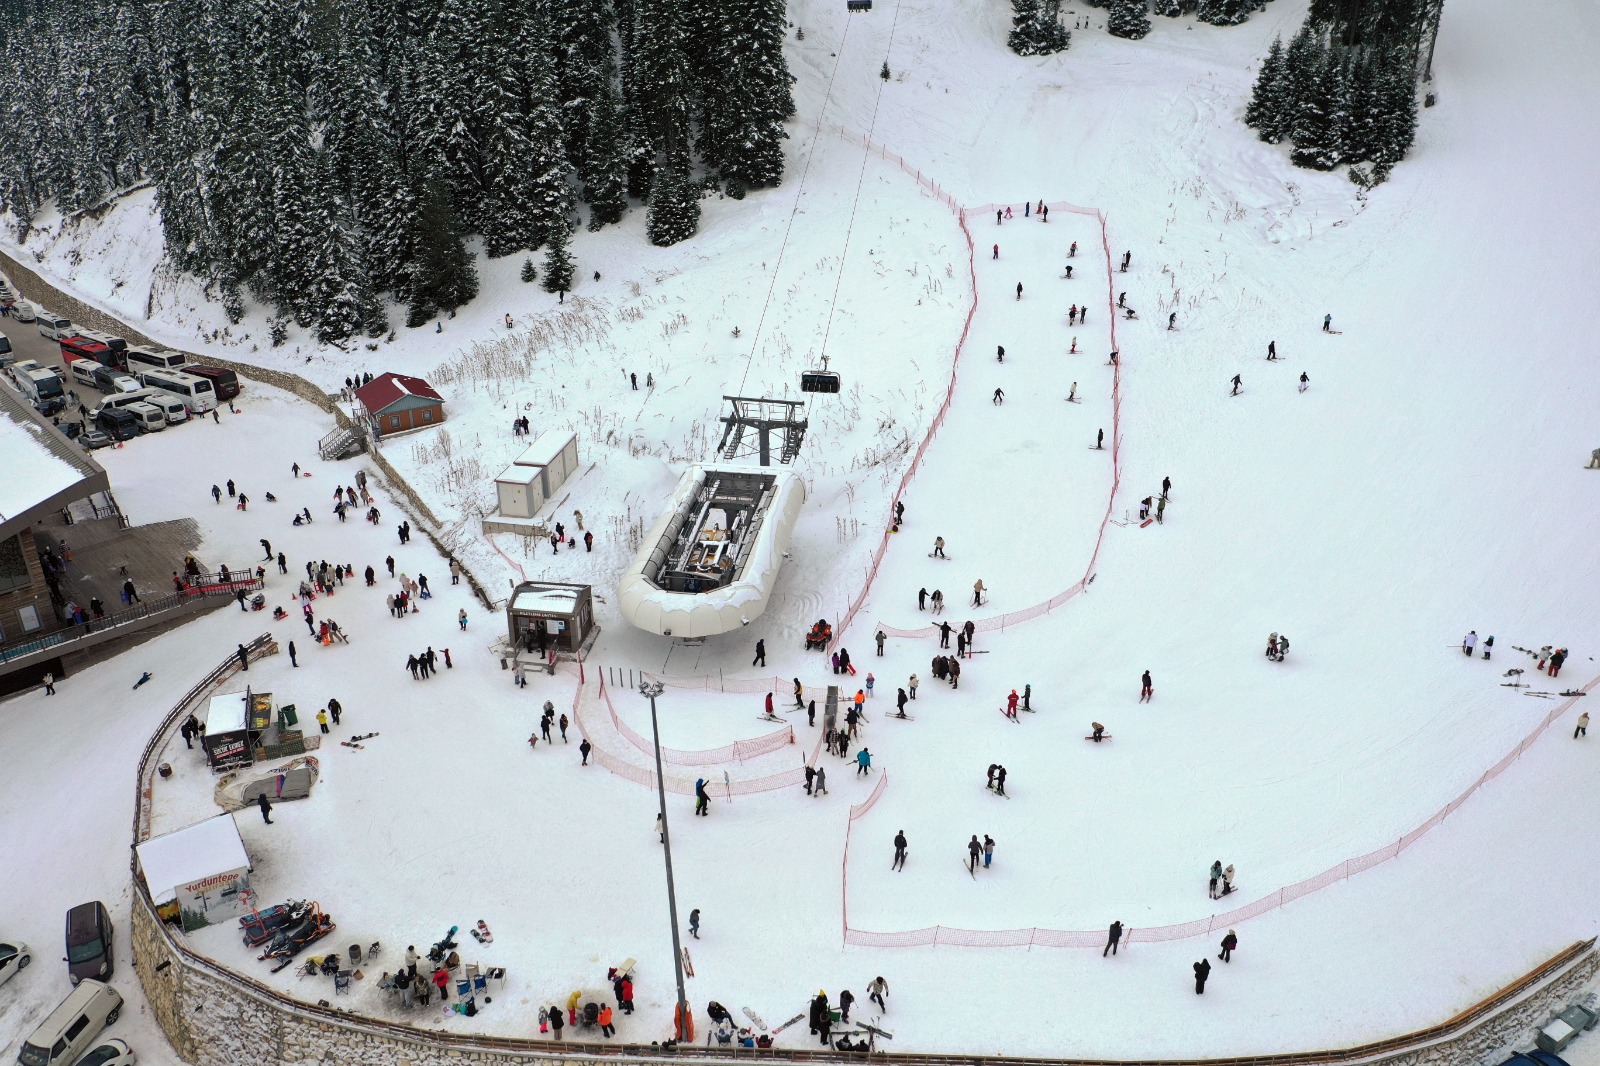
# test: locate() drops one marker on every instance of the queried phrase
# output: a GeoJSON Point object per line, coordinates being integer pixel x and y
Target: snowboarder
{"type": "Point", "coordinates": [266, 807]}
{"type": "Point", "coordinates": [1202, 970]}
{"type": "Point", "coordinates": [1146, 691]}
{"type": "Point", "coordinates": [1098, 732]}
{"type": "Point", "coordinates": [1113, 938]}
{"type": "Point", "coordinates": [974, 849]}
{"type": "Point", "coordinates": [1305, 381]}
{"type": "Point", "coordinates": [761, 658]}
{"type": "Point", "coordinates": [694, 923]}
{"type": "Point", "coordinates": [1469, 643]}
{"type": "Point", "coordinates": [1327, 323]}
{"type": "Point", "coordinates": [1216, 875]}
{"type": "Point", "coordinates": [899, 851]}
{"type": "Point", "coordinates": [938, 547]}
{"type": "Point", "coordinates": [1229, 942]}
{"type": "Point", "coordinates": [1236, 384]}
{"type": "Point", "coordinates": [1100, 440]}
{"type": "Point", "coordinates": [1272, 350]}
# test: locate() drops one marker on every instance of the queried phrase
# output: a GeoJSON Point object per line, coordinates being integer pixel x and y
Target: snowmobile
{"type": "Point", "coordinates": [259, 927]}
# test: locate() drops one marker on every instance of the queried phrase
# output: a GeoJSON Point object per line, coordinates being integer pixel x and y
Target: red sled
{"type": "Point", "coordinates": [1146, 522]}
{"type": "Point", "coordinates": [852, 668]}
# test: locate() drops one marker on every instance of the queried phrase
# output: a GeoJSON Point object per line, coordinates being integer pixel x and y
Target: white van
{"type": "Point", "coordinates": [152, 419]}
{"type": "Point", "coordinates": [22, 311]}
{"type": "Point", "coordinates": [121, 399]}
{"type": "Point", "coordinates": [192, 389]}
{"type": "Point", "coordinates": [73, 1027]}
{"type": "Point", "coordinates": [54, 326]}
{"type": "Point", "coordinates": [175, 410]}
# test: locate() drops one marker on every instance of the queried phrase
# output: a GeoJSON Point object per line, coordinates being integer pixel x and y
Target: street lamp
{"type": "Point", "coordinates": [652, 689]}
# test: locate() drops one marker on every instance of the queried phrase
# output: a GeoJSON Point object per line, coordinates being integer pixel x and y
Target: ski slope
{"type": "Point", "coordinates": [1429, 481]}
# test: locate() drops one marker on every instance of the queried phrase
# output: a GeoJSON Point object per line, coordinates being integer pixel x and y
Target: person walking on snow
{"type": "Point", "coordinates": [1229, 942]}
{"type": "Point", "coordinates": [1305, 381]}
{"type": "Point", "coordinates": [1019, 290]}
{"type": "Point", "coordinates": [1146, 690]}
{"type": "Point", "coordinates": [694, 923]}
{"type": "Point", "coordinates": [877, 989]}
{"type": "Point", "coordinates": [1583, 726]}
{"type": "Point", "coordinates": [1469, 643]}
{"type": "Point", "coordinates": [1236, 384]}
{"type": "Point", "coordinates": [974, 850]}
{"type": "Point", "coordinates": [988, 850]}
{"type": "Point", "coordinates": [880, 638]}
{"type": "Point", "coordinates": [999, 397]}
{"type": "Point", "coordinates": [911, 686]}
{"type": "Point", "coordinates": [761, 654]}
{"type": "Point", "coordinates": [821, 787]}
{"type": "Point", "coordinates": [266, 808]}
{"type": "Point", "coordinates": [1272, 350]}
{"type": "Point", "coordinates": [997, 251]}
{"type": "Point", "coordinates": [1113, 938]}
{"type": "Point", "coordinates": [1202, 970]}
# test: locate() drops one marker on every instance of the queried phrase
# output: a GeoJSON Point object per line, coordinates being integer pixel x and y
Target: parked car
{"type": "Point", "coordinates": [51, 405]}
{"type": "Point", "coordinates": [13, 957]}
{"type": "Point", "coordinates": [110, 1053]}
{"type": "Point", "coordinates": [73, 1027]}
{"type": "Point", "coordinates": [94, 438]}
{"type": "Point", "coordinates": [89, 942]}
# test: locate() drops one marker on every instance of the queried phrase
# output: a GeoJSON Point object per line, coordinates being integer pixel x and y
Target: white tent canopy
{"type": "Point", "coordinates": [186, 856]}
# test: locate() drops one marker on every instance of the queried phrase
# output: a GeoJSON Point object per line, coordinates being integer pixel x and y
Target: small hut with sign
{"type": "Point", "coordinates": [197, 876]}
{"type": "Point", "coordinates": [545, 616]}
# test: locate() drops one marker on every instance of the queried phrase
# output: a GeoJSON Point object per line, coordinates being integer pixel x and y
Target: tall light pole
{"type": "Point", "coordinates": [652, 689]}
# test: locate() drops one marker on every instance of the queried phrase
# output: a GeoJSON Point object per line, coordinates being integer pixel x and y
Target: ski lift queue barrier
{"type": "Point", "coordinates": [1063, 938]}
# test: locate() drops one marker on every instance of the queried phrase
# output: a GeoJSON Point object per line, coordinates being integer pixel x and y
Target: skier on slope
{"type": "Point", "coordinates": [899, 851]}
{"type": "Point", "coordinates": [1236, 385]}
{"type": "Point", "coordinates": [1146, 690]}
{"type": "Point", "coordinates": [974, 849]}
{"type": "Point", "coordinates": [1011, 704]}
{"type": "Point", "coordinates": [1305, 381]}
{"type": "Point", "coordinates": [1000, 352]}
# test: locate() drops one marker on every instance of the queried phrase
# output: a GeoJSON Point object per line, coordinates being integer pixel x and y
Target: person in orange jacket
{"type": "Point", "coordinates": [861, 698]}
{"type": "Point", "coordinates": [606, 1028]}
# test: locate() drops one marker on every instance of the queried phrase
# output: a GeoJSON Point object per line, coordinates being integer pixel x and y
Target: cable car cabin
{"type": "Point", "coordinates": [822, 380]}
{"type": "Point", "coordinates": [857, 5]}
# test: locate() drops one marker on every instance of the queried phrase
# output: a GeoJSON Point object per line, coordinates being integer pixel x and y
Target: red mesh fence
{"type": "Point", "coordinates": [1061, 938]}
{"type": "Point", "coordinates": [679, 785]}
{"type": "Point", "coordinates": [738, 751]}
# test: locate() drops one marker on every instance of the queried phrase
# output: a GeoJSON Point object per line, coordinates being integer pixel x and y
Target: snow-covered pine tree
{"type": "Point", "coordinates": [745, 93]}
{"type": "Point", "coordinates": [1036, 28]}
{"type": "Point", "coordinates": [1395, 91]}
{"type": "Point", "coordinates": [558, 259]}
{"type": "Point", "coordinates": [1129, 19]}
{"type": "Point", "coordinates": [1318, 120]}
{"type": "Point", "coordinates": [1224, 12]}
{"type": "Point", "coordinates": [1168, 8]}
{"type": "Point", "coordinates": [1270, 106]}
{"type": "Point", "coordinates": [605, 172]}
{"type": "Point", "coordinates": [528, 271]}
{"type": "Point", "coordinates": [674, 207]}
{"type": "Point", "coordinates": [445, 277]}
{"type": "Point", "coordinates": [659, 82]}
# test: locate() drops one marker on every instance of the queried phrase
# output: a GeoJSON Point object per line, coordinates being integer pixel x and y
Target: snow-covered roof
{"type": "Point", "coordinates": [386, 390]}
{"type": "Point", "coordinates": [546, 599]}
{"type": "Point", "coordinates": [519, 475]}
{"type": "Point", "coordinates": [226, 713]}
{"type": "Point", "coordinates": [203, 850]}
{"type": "Point", "coordinates": [36, 467]}
{"type": "Point", "coordinates": [545, 447]}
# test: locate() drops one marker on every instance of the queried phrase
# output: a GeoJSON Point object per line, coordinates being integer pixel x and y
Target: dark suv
{"type": "Point", "coordinates": [88, 942]}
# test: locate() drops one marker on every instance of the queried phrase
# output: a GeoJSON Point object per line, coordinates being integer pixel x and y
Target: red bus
{"type": "Point", "coordinates": [76, 347]}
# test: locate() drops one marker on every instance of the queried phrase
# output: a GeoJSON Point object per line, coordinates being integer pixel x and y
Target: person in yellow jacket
{"type": "Point", "coordinates": [572, 1006]}
{"type": "Point", "coordinates": [322, 720]}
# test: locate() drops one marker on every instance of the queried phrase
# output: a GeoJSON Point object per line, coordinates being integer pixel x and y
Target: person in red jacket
{"type": "Point", "coordinates": [1011, 704]}
{"type": "Point", "coordinates": [625, 1001]}
{"type": "Point", "coordinates": [441, 981]}
{"type": "Point", "coordinates": [769, 706]}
